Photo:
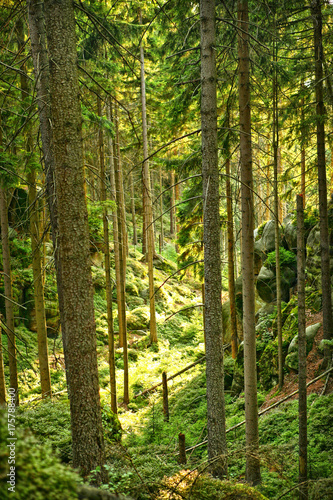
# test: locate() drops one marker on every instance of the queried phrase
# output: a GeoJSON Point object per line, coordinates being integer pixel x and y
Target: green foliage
{"type": "Point", "coordinates": [39, 473]}
{"type": "Point", "coordinates": [287, 259]}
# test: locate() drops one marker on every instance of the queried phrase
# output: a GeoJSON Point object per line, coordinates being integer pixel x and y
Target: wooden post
{"type": "Point", "coordinates": [165, 397]}
{"type": "Point", "coordinates": [182, 451]}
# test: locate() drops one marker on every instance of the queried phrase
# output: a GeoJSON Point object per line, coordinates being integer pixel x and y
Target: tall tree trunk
{"type": "Point", "coordinates": [148, 202]}
{"type": "Point", "coordinates": [161, 209]}
{"type": "Point", "coordinates": [322, 186]}
{"type": "Point", "coordinates": [120, 285]}
{"type": "Point", "coordinates": [217, 446]}
{"type": "Point", "coordinates": [172, 203]}
{"type": "Point", "coordinates": [43, 354]}
{"type": "Point", "coordinates": [107, 266]}
{"type": "Point", "coordinates": [41, 71]}
{"type": "Point", "coordinates": [7, 276]}
{"type": "Point", "coordinates": [277, 213]}
{"type": "Point", "coordinates": [231, 256]}
{"type": "Point", "coordinates": [37, 268]}
{"type": "Point", "coordinates": [302, 400]}
{"type": "Point", "coordinates": [250, 369]}
{"type": "Point", "coordinates": [2, 370]}
{"type": "Point", "coordinates": [122, 251]}
{"type": "Point", "coordinates": [78, 324]}
{"type": "Point", "coordinates": [135, 237]}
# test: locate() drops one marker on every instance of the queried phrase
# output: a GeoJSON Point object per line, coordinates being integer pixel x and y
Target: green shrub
{"type": "Point", "coordinates": [39, 475]}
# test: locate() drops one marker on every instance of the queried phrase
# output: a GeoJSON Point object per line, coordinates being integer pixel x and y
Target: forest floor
{"type": "Point", "coordinates": [314, 362]}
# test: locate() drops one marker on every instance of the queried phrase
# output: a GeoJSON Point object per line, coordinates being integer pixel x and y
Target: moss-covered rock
{"type": "Point", "coordinates": [292, 357]}
{"type": "Point", "coordinates": [138, 318]}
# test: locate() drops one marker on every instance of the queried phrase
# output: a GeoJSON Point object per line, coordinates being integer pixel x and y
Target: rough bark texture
{"type": "Point", "coordinates": [12, 361]}
{"type": "Point", "coordinates": [2, 370]}
{"type": "Point", "coordinates": [277, 221]}
{"type": "Point", "coordinates": [37, 268]}
{"type": "Point", "coordinates": [135, 237]}
{"type": "Point", "coordinates": [107, 263]}
{"type": "Point", "coordinates": [231, 256]}
{"type": "Point", "coordinates": [250, 370]}
{"type": "Point", "coordinates": [43, 354]}
{"type": "Point", "coordinates": [122, 251]}
{"type": "Point", "coordinates": [148, 203]}
{"type": "Point", "coordinates": [217, 447]}
{"type": "Point", "coordinates": [302, 404]}
{"type": "Point", "coordinates": [322, 185]}
{"type": "Point", "coordinates": [161, 211]}
{"type": "Point", "coordinates": [78, 324]}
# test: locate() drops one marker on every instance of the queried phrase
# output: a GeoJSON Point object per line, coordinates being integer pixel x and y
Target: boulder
{"type": "Point", "coordinates": [268, 237]}
{"type": "Point", "coordinates": [290, 232]}
{"type": "Point", "coordinates": [292, 357]}
{"type": "Point", "coordinates": [138, 318]}
{"type": "Point", "coordinates": [266, 285]}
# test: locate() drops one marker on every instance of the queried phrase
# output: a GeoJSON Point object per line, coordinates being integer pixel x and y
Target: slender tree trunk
{"type": "Point", "coordinates": [107, 266]}
{"type": "Point", "coordinates": [302, 400]}
{"type": "Point", "coordinates": [161, 209]}
{"type": "Point", "coordinates": [322, 185]}
{"type": "Point", "coordinates": [120, 285]}
{"type": "Point", "coordinates": [122, 253]}
{"type": "Point", "coordinates": [43, 354]}
{"type": "Point", "coordinates": [7, 273]}
{"type": "Point", "coordinates": [277, 218]}
{"type": "Point", "coordinates": [217, 446]}
{"type": "Point", "coordinates": [172, 202]}
{"type": "Point", "coordinates": [78, 324]}
{"type": "Point", "coordinates": [148, 203]}
{"type": "Point", "coordinates": [41, 71]}
{"type": "Point", "coordinates": [37, 268]}
{"type": "Point", "coordinates": [2, 370]}
{"type": "Point", "coordinates": [250, 369]}
{"type": "Point", "coordinates": [135, 237]}
{"type": "Point", "coordinates": [231, 256]}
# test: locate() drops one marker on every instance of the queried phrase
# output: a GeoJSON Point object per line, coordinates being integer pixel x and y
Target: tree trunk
{"type": "Point", "coordinates": [119, 275]}
{"type": "Point", "coordinates": [43, 354]}
{"type": "Point", "coordinates": [322, 186]}
{"type": "Point", "coordinates": [122, 252]}
{"type": "Point", "coordinates": [41, 71]}
{"type": "Point", "coordinates": [2, 371]}
{"type": "Point", "coordinates": [148, 203]}
{"type": "Point", "coordinates": [107, 266]}
{"type": "Point", "coordinates": [277, 216]}
{"type": "Point", "coordinates": [78, 324]}
{"type": "Point", "coordinates": [161, 209]}
{"type": "Point", "coordinates": [231, 257]}
{"type": "Point", "coordinates": [7, 276]}
{"type": "Point", "coordinates": [302, 404]}
{"type": "Point", "coordinates": [250, 369]}
{"type": "Point", "coordinates": [172, 203]}
{"type": "Point", "coordinates": [37, 268]}
{"type": "Point", "coordinates": [135, 237]}
{"type": "Point", "coordinates": [217, 446]}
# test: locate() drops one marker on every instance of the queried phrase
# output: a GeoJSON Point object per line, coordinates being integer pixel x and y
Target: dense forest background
{"type": "Point", "coordinates": [166, 212]}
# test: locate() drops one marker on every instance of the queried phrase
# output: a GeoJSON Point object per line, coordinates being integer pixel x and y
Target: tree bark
{"type": "Point", "coordinates": [148, 203]}
{"type": "Point", "coordinates": [107, 265]}
{"type": "Point", "coordinates": [7, 277]}
{"type": "Point", "coordinates": [37, 269]}
{"type": "Point", "coordinates": [122, 252]}
{"type": "Point", "coordinates": [231, 256]}
{"type": "Point", "coordinates": [277, 216]}
{"type": "Point", "coordinates": [322, 185]}
{"type": "Point", "coordinates": [78, 324]}
{"type": "Point", "coordinates": [302, 400]}
{"type": "Point", "coordinates": [2, 370]}
{"type": "Point", "coordinates": [217, 447]}
{"type": "Point", "coordinates": [135, 237]}
{"type": "Point", "coordinates": [250, 369]}
{"type": "Point", "coordinates": [161, 210]}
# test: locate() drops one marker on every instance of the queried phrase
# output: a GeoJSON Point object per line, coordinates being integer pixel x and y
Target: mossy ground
{"type": "Point", "coordinates": [145, 463]}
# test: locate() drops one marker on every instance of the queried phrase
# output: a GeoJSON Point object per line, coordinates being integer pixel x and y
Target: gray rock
{"type": "Point", "coordinates": [290, 232]}
{"type": "Point", "coordinates": [266, 285]}
{"type": "Point", "coordinates": [291, 361]}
